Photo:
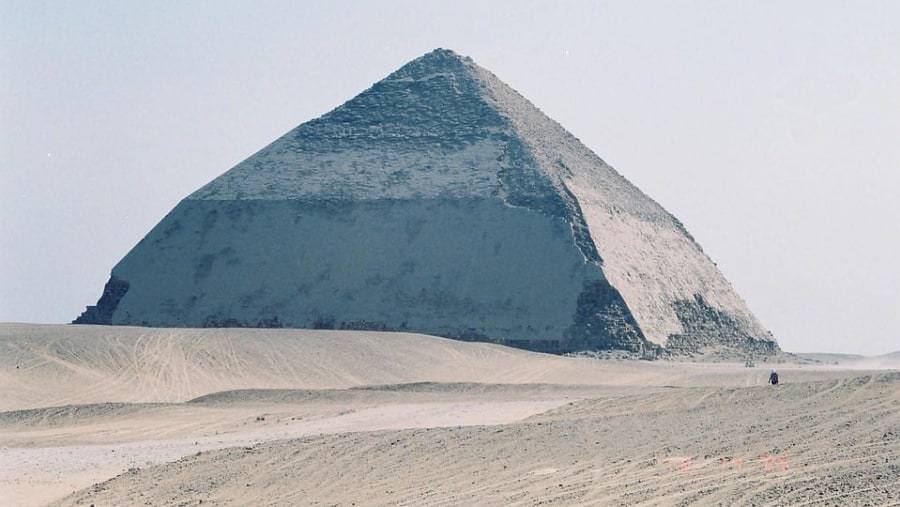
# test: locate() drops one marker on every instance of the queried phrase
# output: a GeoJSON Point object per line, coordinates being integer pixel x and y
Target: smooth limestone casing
{"type": "Point", "coordinates": [458, 268]}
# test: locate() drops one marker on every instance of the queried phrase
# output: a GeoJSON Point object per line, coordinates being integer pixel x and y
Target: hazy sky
{"type": "Point", "coordinates": [771, 129]}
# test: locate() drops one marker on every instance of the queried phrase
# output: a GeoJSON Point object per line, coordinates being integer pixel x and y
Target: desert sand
{"type": "Point", "coordinates": [137, 416]}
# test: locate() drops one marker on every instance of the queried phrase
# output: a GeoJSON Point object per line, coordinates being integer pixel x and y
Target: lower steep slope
{"type": "Point", "coordinates": [465, 269]}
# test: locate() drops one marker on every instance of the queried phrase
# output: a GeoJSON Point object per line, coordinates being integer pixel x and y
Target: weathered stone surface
{"type": "Point", "coordinates": [437, 201]}
{"type": "Point", "coordinates": [102, 312]}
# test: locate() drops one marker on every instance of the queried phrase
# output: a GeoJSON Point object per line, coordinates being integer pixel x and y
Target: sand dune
{"type": "Point", "coordinates": [128, 416]}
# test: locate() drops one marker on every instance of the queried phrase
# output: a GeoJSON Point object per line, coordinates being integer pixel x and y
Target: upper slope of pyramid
{"type": "Point", "coordinates": [423, 131]}
{"type": "Point", "coordinates": [440, 126]}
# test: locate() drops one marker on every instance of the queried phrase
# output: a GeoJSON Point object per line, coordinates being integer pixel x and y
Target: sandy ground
{"type": "Point", "coordinates": [130, 416]}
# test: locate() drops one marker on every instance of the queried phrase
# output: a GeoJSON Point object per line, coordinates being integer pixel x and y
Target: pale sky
{"type": "Point", "coordinates": [771, 129]}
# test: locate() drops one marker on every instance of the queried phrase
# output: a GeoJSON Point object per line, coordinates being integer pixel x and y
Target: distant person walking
{"type": "Point", "coordinates": [773, 378]}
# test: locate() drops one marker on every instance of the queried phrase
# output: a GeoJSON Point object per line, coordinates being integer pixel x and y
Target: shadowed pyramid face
{"type": "Point", "coordinates": [437, 201]}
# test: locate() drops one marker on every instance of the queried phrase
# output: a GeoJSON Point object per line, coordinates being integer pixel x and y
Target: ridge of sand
{"type": "Point", "coordinates": [123, 416]}
{"type": "Point", "coordinates": [53, 365]}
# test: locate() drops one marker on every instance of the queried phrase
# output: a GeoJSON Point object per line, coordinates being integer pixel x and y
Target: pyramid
{"type": "Point", "coordinates": [438, 201]}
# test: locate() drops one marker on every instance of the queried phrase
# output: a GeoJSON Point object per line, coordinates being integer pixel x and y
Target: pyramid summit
{"type": "Point", "coordinates": [438, 201]}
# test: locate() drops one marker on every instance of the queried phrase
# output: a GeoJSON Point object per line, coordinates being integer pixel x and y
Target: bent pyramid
{"type": "Point", "coordinates": [438, 201]}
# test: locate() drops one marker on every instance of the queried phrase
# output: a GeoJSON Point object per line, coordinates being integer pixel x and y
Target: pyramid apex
{"type": "Point", "coordinates": [439, 61]}
{"type": "Point", "coordinates": [443, 53]}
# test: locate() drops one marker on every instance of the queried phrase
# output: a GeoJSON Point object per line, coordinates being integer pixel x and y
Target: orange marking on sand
{"type": "Point", "coordinates": [783, 460]}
